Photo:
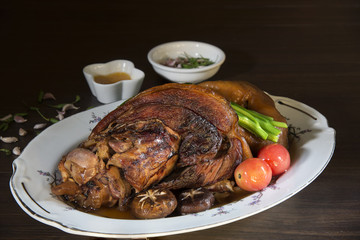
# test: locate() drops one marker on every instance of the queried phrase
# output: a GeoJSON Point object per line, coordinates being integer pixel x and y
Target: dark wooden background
{"type": "Point", "coordinates": [305, 50]}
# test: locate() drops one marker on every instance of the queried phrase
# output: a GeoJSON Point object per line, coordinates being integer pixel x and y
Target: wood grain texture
{"type": "Point", "coordinates": [305, 50]}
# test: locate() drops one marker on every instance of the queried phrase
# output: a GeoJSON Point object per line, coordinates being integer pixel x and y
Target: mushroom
{"type": "Point", "coordinates": [66, 188]}
{"type": "Point", "coordinates": [82, 165]}
{"type": "Point", "coordinates": [195, 200]}
{"type": "Point", "coordinates": [153, 204]}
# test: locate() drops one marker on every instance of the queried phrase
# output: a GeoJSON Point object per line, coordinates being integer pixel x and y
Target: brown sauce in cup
{"type": "Point", "coordinates": [112, 78]}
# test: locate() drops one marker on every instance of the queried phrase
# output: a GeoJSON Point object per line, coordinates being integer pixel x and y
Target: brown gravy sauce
{"type": "Point", "coordinates": [112, 78]}
{"type": "Point", "coordinates": [221, 200]}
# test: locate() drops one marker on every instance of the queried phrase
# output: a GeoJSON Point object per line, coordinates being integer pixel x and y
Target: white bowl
{"type": "Point", "coordinates": [159, 54]}
{"type": "Point", "coordinates": [107, 93]}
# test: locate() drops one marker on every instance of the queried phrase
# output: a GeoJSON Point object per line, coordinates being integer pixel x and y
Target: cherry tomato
{"type": "Point", "coordinates": [253, 174]}
{"type": "Point", "coordinates": [277, 156]}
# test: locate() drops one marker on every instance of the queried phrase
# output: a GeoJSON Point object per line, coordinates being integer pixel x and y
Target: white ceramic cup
{"type": "Point", "coordinates": [107, 93]}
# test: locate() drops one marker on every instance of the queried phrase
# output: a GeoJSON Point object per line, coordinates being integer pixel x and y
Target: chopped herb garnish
{"type": "Point", "coordinates": [61, 105]}
{"type": "Point", "coordinates": [36, 109]}
{"type": "Point", "coordinates": [21, 114]}
{"type": "Point", "coordinates": [40, 96]}
{"type": "Point", "coordinates": [53, 120]}
{"type": "Point", "coordinates": [77, 98]}
{"type": "Point", "coordinates": [188, 62]}
{"type": "Point", "coordinates": [4, 126]}
{"type": "Point", "coordinates": [58, 106]}
{"type": "Point", "coordinates": [258, 124]}
{"type": "Point", "coordinates": [6, 151]}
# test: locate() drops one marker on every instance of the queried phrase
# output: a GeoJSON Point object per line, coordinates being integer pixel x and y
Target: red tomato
{"type": "Point", "coordinates": [277, 156]}
{"type": "Point", "coordinates": [253, 174]}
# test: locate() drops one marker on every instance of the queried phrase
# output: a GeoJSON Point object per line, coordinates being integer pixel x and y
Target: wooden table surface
{"type": "Point", "coordinates": [305, 50]}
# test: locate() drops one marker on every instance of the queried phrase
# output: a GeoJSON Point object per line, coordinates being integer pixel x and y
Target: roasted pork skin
{"type": "Point", "coordinates": [168, 137]}
{"type": "Point", "coordinates": [210, 145]}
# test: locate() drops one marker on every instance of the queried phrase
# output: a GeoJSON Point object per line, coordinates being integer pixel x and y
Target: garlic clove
{"type": "Point", "coordinates": [49, 96]}
{"type": "Point", "coordinates": [22, 132]}
{"type": "Point", "coordinates": [68, 107]}
{"type": "Point", "coordinates": [40, 125]}
{"type": "Point", "coordinates": [9, 139]}
{"type": "Point", "coordinates": [60, 115]}
{"type": "Point", "coordinates": [19, 119]}
{"type": "Point", "coordinates": [7, 117]}
{"type": "Point", "coordinates": [16, 151]}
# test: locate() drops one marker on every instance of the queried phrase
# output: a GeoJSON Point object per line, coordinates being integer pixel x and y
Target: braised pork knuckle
{"type": "Point", "coordinates": [167, 138]}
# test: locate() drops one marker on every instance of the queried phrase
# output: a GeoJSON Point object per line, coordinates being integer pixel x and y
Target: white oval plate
{"type": "Point", "coordinates": [33, 171]}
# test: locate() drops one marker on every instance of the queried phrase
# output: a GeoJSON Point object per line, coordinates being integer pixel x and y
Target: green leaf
{"type": "Point", "coordinates": [77, 98]}
{"type": "Point", "coordinates": [58, 106]}
{"type": "Point", "coordinates": [6, 151]}
{"type": "Point", "coordinates": [4, 126]}
{"type": "Point", "coordinates": [21, 114]}
{"type": "Point", "coordinates": [40, 96]}
{"type": "Point", "coordinates": [61, 105]}
{"type": "Point", "coordinates": [36, 109]}
{"type": "Point", "coordinates": [53, 120]}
